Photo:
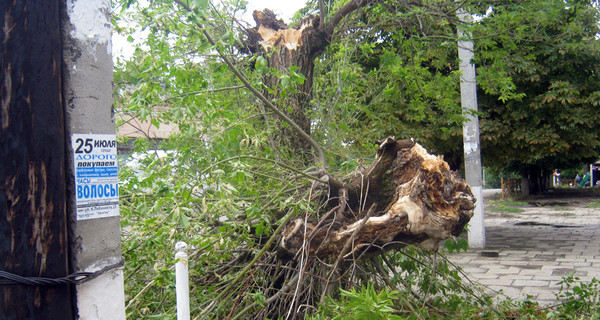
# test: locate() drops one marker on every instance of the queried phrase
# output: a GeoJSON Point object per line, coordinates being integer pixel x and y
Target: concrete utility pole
{"type": "Point", "coordinates": [92, 158]}
{"type": "Point", "coordinates": [33, 210]}
{"type": "Point", "coordinates": [468, 94]}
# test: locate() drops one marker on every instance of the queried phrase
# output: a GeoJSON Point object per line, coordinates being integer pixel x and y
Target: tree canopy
{"type": "Point", "coordinates": [548, 55]}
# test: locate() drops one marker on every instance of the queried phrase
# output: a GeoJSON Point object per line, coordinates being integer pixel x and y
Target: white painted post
{"type": "Point", "coordinates": [472, 153]}
{"type": "Point", "coordinates": [182, 287]}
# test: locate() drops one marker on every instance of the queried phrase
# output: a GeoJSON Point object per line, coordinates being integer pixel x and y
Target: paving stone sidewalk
{"type": "Point", "coordinates": [536, 248]}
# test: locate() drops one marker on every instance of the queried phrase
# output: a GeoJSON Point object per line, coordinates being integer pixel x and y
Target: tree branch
{"type": "Point", "coordinates": [283, 165]}
{"type": "Point", "coordinates": [345, 10]}
{"type": "Point", "coordinates": [346, 248]}
{"type": "Point", "coordinates": [191, 93]}
{"type": "Point", "coordinates": [246, 269]}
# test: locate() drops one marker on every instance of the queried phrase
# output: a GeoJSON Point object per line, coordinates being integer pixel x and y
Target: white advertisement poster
{"type": "Point", "coordinates": [96, 175]}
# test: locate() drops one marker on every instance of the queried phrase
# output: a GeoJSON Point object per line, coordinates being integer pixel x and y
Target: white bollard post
{"type": "Point", "coordinates": [182, 287]}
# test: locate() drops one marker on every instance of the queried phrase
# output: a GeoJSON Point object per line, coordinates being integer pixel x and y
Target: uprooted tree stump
{"type": "Point", "coordinates": [406, 197]}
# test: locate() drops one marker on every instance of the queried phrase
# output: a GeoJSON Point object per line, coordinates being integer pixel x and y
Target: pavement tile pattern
{"type": "Point", "coordinates": [535, 249]}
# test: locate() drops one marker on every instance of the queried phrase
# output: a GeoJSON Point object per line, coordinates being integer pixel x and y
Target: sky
{"type": "Point", "coordinates": [284, 9]}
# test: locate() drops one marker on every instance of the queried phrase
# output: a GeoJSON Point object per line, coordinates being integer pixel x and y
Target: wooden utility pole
{"type": "Point", "coordinates": [33, 217]}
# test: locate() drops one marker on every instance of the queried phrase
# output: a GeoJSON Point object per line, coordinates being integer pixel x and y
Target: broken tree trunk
{"type": "Point", "coordinates": [287, 47]}
{"type": "Point", "coordinates": [413, 198]}
{"type": "Point", "coordinates": [283, 48]}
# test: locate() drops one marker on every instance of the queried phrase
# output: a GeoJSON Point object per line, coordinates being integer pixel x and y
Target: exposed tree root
{"type": "Point", "coordinates": [416, 198]}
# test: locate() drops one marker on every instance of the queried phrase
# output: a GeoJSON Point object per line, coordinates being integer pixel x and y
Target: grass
{"type": "Point", "coordinates": [564, 211]}
{"type": "Point", "coordinates": [593, 204]}
{"type": "Point", "coordinates": [512, 203]}
{"type": "Point", "coordinates": [506, 206]}
{"type": "Point", "coordinates": [506, 209]}
{"type": "Point", "coordinates": [567, 214]}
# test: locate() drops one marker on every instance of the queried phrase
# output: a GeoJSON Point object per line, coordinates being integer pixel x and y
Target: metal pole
{"type": "Point", "coordinates": [473, 169]}
{"type": "Point", "coordinates": [182, 287]}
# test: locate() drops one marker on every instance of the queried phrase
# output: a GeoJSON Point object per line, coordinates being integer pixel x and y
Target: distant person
{"type": "Point", "coordinates": [577, 180]}
{"type": "Point", "coordinates": [598, 183]}
{"type": "Point", "coordinates": [556, 175]}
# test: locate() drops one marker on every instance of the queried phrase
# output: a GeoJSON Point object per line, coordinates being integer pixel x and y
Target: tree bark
{"type": "Point", "coordinates": [284, 47]}
{"type": "Point", "coordinates": [33, 219]}
{"type": "Point", "coordinates": [533, 180]}
{"type": "Point", "coordinates": [416, 199]}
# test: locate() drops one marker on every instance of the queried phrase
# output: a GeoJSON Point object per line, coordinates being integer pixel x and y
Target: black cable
{"type": "Point", "coordinates": [7, 278]}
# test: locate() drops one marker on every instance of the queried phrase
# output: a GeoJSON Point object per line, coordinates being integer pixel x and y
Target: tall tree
{"type": "Point", "coordinates": [293, 51]}
{"type": "Point", "coordinates": [548, 53]}
{"type": "Point", "coordinates": [402, 75]}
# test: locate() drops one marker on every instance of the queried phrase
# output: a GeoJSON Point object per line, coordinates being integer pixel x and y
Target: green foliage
{"type": "Point", "coordinates": [213, 184]}
{"type": "Point", "coordinates": [366, 303]}
{"type": "Point", "coordinates": [392, 80]}
{"type": "Point", "coordinates": [545, 53]}
{"type": "Point", "coordinates": [456, 244]}
{"type": "Point", "coordinates": [574, 301]}
{"type": "Point", "coordinates": [579, 299]}
{"type": "Point", "coordinates": [593, 204]}
{"type": "Point", "coordinates": [492, 180]}
{"type": "Point", "coordinates": [537, 102]}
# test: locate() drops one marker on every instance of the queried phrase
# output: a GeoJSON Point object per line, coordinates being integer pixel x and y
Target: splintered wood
{"type": "Point", "coordinates": [271, 32]}
{"type": "Point", "coordinates": [414, 198]}
{"type": "Point", "coordinates": [289, 38]}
